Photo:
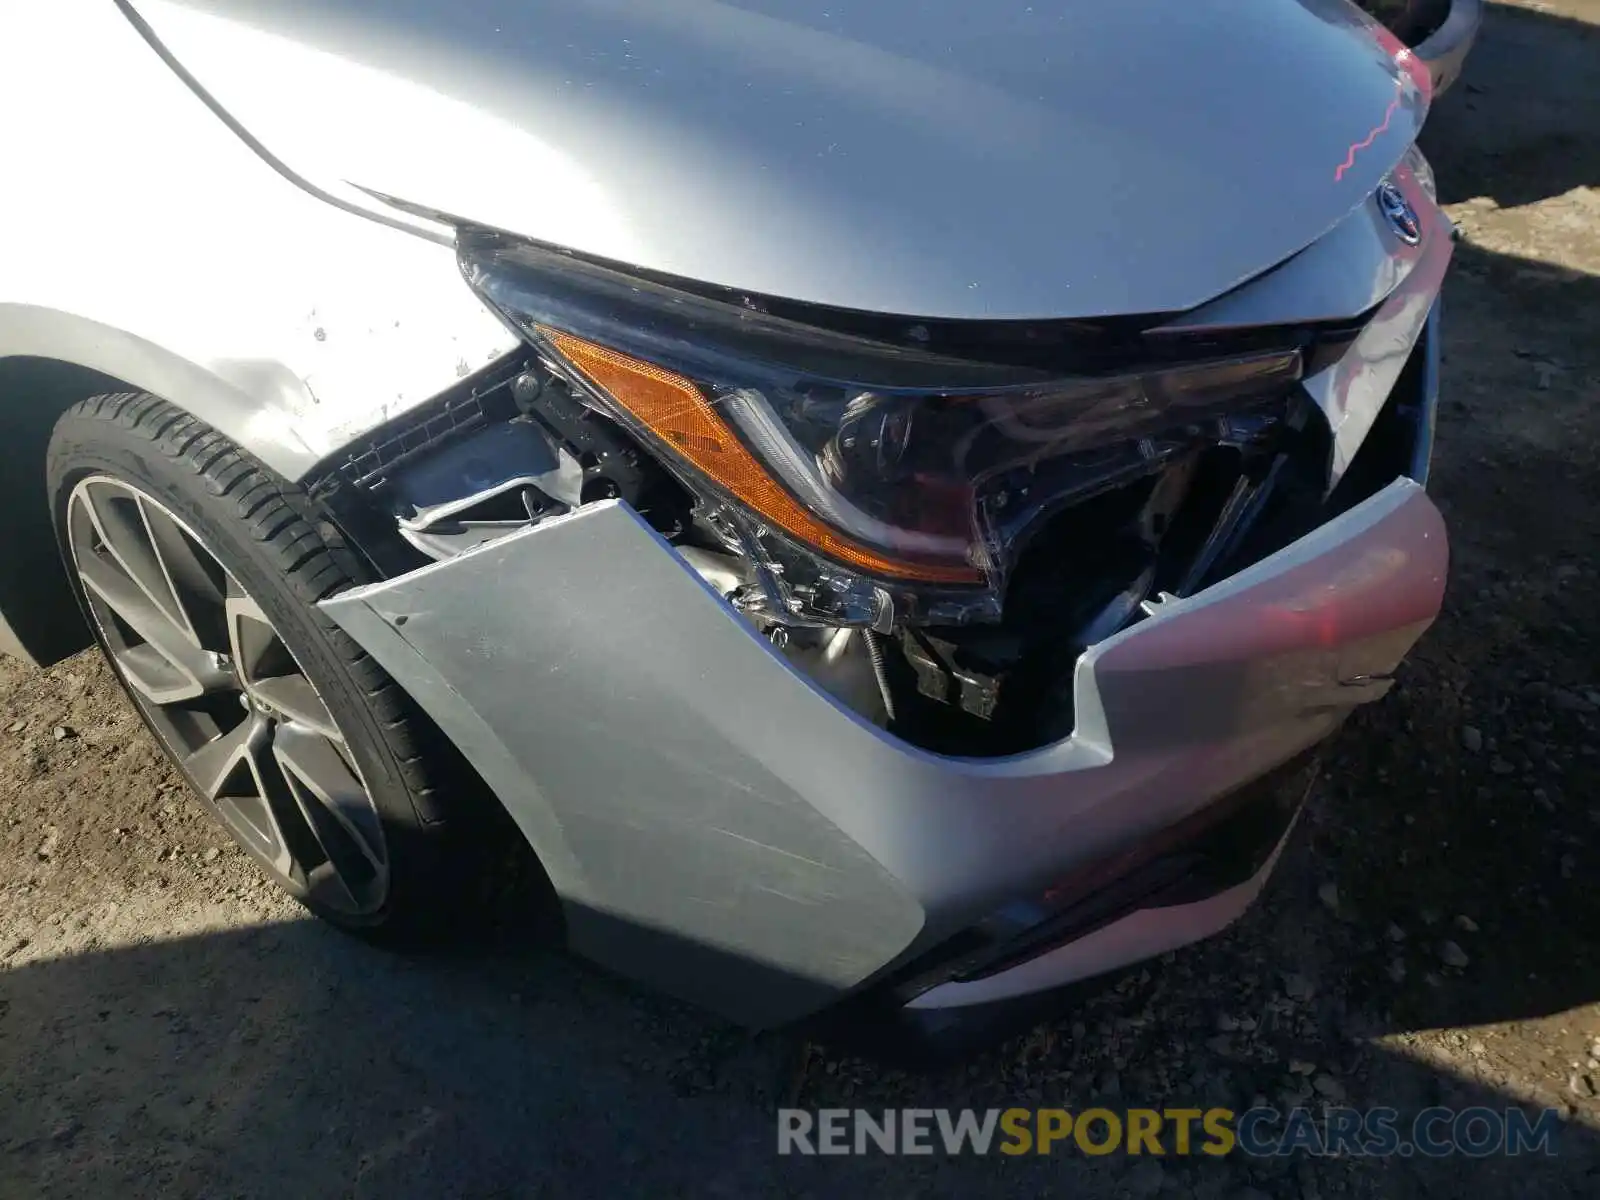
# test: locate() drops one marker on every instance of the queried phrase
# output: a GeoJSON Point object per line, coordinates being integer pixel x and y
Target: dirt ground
{"type": "Point", "coordinates": [169, 1026]}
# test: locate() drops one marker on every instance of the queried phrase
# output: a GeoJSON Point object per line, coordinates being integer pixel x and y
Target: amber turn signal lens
{"type": "Point", "coordinates": [677, 412]}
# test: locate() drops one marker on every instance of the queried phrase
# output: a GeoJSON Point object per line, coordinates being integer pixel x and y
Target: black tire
{"type": "Point", "coordinates": [271, 538]}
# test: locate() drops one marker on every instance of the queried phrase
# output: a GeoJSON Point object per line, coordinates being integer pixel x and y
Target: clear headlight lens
{"type": "Point", "coordinates": [871, 483]}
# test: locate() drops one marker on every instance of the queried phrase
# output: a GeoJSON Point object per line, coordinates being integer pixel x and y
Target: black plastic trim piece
{"type": "Point", "coordinates": [349, 484]}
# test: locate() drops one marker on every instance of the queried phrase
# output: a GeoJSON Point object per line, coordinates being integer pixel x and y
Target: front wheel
{"type": "Point", "coordinates": [199, 572]}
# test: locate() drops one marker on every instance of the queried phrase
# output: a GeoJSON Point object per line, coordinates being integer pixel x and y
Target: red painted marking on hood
{"type": "Point", "coordinates": [1412, 68]}
{"type": "Point", "coordinates": [1377, 132]}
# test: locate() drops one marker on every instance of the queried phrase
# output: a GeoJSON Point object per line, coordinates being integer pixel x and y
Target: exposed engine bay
{"type": "Point", "coordinates": [1179, 511]}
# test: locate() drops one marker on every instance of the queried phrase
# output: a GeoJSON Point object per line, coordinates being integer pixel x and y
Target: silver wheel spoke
{"type": "Point", "coordinates": [324, 787]}
{"type": "Point", "coordinates": [268, 671]}
{"type": "Point", "coordinates": [262, 806]}
{"type": "Point", "coordinates": [168, 667]}
{"type": "Point", "coordinates": [195, 586]}
{"type": "Point", "coordinates": [251, 639]}
{"type": "Point", "coordinates": [214, 764]}
{"type": "Point", "coordinates": [228, 771]}
{"type": "Point", "coordinates": [294, 699]}
{"type": "Point", "coordinates": [119, 518]}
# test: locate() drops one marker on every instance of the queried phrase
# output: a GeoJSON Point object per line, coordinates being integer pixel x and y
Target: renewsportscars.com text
{"type": "Point", "coordinates": [1214, 1132]}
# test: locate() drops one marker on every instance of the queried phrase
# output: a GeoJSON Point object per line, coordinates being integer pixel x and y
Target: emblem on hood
{"type": "Point", "coordinates": [1397, 210]}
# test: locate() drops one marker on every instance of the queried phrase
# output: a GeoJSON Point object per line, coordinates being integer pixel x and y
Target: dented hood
{"type": "Point", "coordinates": [943, 158]}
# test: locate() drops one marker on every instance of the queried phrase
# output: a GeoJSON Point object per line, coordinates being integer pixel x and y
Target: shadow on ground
{"type": "Point", "coordinates": [1509, 128]}
{"type": "Point", "coordinates": [286, 1060]}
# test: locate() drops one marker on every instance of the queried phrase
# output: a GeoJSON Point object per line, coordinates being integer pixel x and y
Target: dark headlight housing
{"type": "Point", "coordinates": [870, 482]}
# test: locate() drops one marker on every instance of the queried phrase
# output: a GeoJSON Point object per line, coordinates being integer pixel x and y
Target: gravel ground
{"type": "Point", "coordinates": [169, 1026]}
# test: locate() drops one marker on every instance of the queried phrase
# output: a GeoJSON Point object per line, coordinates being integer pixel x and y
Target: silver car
{"type": "Point", "coordinates": [887, 498]}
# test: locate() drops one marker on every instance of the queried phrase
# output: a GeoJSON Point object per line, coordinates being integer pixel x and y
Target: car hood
{"type": "Point", "coordinates": [1059, 158]}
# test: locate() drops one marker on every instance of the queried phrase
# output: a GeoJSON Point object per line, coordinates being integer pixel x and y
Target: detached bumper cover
{"type": "Point", "coordinates": [720, 828]}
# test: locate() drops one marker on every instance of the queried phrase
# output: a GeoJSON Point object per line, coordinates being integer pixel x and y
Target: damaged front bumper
{"type": "Point", "coordinates": [729, 813]}
{"type": "Point", "coordinates": [719, 826]}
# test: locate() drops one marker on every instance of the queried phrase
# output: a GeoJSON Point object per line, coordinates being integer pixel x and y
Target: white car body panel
{"type": "Point", "coordinates": [167, 253]}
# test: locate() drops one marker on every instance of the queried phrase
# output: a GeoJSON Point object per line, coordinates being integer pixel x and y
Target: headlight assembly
{"type": "Point", "coordinates": [871, 482]}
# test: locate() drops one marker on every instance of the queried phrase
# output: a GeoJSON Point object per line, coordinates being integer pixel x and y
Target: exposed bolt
{"type": "Point", "coordinates": [525, 390]}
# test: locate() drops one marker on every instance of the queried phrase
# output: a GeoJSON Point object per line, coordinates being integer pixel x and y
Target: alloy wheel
{"type": "Point", "coordinates": [222, 691]}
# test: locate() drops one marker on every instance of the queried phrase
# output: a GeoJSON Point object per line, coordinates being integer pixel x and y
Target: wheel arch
{"type": "Point", "coordinates": [50, 360]}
